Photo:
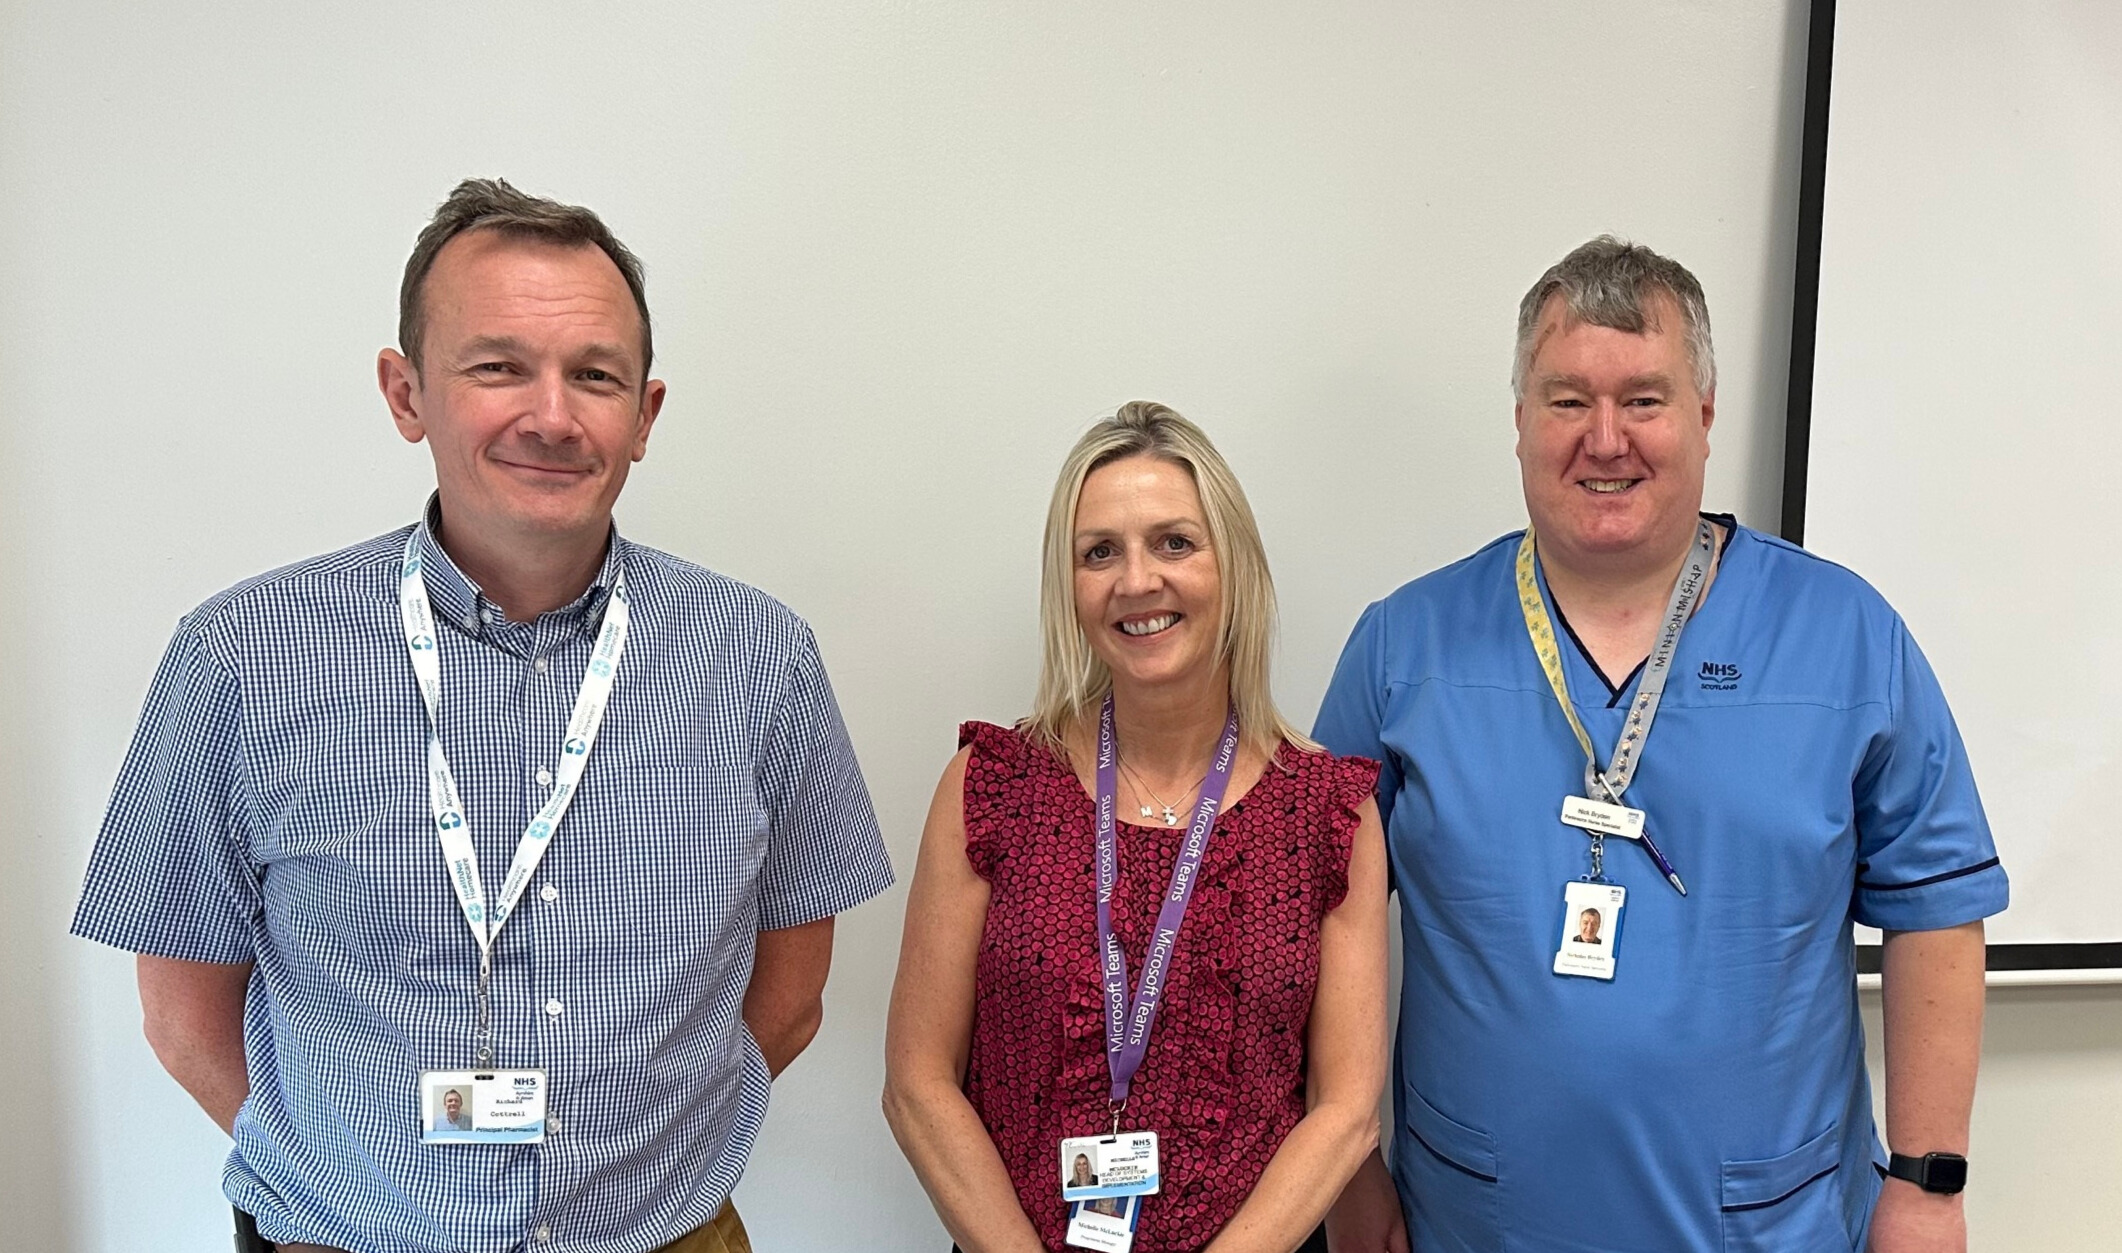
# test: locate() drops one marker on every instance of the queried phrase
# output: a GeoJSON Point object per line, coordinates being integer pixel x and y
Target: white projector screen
{"type": "Point", "coordinates": [899, 255]}
{"type": "Point", "coordinates": [1962, 457]}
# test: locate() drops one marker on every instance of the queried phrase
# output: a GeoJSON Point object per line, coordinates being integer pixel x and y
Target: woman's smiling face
{"type": "Point", "coordinates": [1149, 595]}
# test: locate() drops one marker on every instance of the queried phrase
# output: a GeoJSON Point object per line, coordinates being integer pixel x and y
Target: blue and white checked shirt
{"type": "Point", "coordinates": [273, 809]}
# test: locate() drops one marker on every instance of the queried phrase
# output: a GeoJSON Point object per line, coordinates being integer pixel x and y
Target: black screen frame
{"type": "Point", "coordinates": [1798, 425]}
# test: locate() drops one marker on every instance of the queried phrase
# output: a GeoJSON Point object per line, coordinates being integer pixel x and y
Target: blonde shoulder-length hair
{"type": "Point", "coordinates": [1072, 679]}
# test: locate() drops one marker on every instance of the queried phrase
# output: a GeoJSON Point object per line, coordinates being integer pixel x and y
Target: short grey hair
{"type": "Point", "coordinates": [1609, 282]}
{"type": "Point", "coordinates": [490, 204]}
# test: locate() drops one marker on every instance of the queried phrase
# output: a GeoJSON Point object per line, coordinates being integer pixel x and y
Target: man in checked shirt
{"type": "Point", "coordinates": [605, 890]}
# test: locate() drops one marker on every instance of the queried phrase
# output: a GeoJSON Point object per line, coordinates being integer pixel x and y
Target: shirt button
{"type": "Point", "coordinates": [544, 1233]}
{"type": "Point", "coordinates": [552, 1008]}
{"type": "Point", "coordinates": [552, 1125]}
{"type": "Point", "coordinates": [539, 665]}
{"type": "Point", "coordinates": [548, 893]}
{"type": "Point", "coordinates": [545, 777]}
{"type": "Point", "coordinates": [486, 616]}
{"type": "Point", "coordinates": [471, 622]}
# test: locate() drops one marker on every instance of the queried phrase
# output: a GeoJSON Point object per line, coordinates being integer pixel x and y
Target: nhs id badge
{"type": "Point", "coordinates": [1106, 1224]}
{"type": "Point", "coordinates": [1107, 1166]}
{"type": "Point", "coordinates": [1590, 815]}
{"type": "Point", "coordinates": [1591, 929]}
{"type": "Point", "coordinates": [482, 1107]}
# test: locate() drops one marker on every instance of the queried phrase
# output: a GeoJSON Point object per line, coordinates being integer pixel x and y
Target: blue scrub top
{"type": "Point", "coordinates": [1803, 771]}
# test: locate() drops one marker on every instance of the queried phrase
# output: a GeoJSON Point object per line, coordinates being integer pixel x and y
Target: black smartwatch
{"type": "Point", "coordinates": [1944, 1173]}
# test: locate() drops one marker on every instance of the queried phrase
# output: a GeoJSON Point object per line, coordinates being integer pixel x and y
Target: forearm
{"type": "Point", "coordinates": [785, 1001]}
{"type": "Point", "coordinates": [1366, 1217]}
{"type": "Point", "coordinates": [192, 1015]}
{"type": "Point", "coordinates": [1322, 1152]}
{"type": "Point", "coordinates": [217, 1080]}
{"type": "Point", "coordinates": [782, 1031]}
{"type": "Point", "coordinates": [1931, 992]}
{"type": "Point", "coordinates": [1933, 1016]}
{"type": "Point", "coordinates": [956, 1161]}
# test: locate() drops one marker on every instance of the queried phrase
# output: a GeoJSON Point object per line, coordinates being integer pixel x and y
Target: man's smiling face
{"type": "Point", "coordinates": [1613, 437]}
{"type": "Point", "coordinates": [530, 389]}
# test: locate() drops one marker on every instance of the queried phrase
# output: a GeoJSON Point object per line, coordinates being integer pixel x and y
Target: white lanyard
{"type": "Point", "coordinates": [443, 796]}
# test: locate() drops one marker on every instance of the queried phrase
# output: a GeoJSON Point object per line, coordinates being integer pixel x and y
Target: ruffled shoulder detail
{"type": "Point", "coordinates": [990, 740]}
{"type": "Point", "coordinates": [1334, 789]}
{"type": "Point", "coordinates": [1002, 781]}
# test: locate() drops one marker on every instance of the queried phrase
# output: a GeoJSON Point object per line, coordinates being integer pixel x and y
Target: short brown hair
{"type": "Point", "coordinates": [490, 204]}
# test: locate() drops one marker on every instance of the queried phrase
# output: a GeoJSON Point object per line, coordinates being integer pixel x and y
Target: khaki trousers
{"type": "Point", "coordinates": [724, 1233]}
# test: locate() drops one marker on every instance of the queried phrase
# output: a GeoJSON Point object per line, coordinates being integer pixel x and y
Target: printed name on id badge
{"type": "Point", "coordinates": [1591, 929]}
{"type": "Point", "coordinates": [1606, 819]}
{"type": "Point", "coordinates": [1106, 1224]}
{"type": "Point", "coordinates": [1107, 1166]}
{"type": "Point", "coordinates": [482, 1107]}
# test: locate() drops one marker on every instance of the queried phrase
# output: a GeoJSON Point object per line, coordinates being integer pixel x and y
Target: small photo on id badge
{"type": "Point", "coordinates": [482, 1107]}
{"type": "Point", "coordinates": [1105, 1166]}
{"type": "Point", "coordinates": [1107, 1224]}
{"type": "Point", "coordinates": [1591, 928]}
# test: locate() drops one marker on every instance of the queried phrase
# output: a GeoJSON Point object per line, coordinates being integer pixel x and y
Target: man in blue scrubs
{"type": "Point", "coordinates": [1730, 747]}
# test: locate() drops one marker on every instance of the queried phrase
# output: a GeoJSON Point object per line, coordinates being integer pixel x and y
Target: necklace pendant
{"type": "Point", "coordinates": [1146, 811]}
{"type": "Point", "coordinates": [1171, 816]}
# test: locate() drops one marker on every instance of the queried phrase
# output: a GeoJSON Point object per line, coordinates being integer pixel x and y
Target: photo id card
{"type": "Point", "coordinates": [1107, 1224]}
{"type": "Point", "coordinates": [482, 1107]}
{"type": "Point", "coordinates": [1591, 928]}
{"type": "Point", "coordinates": [1108, 1166]}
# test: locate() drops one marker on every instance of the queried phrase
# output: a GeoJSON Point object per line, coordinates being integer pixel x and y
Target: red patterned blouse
{"type": "Point", "coordinates": [1223, 1081]}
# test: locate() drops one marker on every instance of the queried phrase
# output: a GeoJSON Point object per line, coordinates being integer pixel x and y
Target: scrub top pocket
{"type": "Point", "coordinates": [1789, 1202]}
{"type": "Point", "coordinates": [1450, 1181]}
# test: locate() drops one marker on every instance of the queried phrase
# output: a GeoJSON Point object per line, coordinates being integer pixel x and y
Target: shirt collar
{"type": "Point", "coordinates": [459, 601]}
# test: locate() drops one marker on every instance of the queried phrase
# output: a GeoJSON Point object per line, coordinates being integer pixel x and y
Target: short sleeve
{"type": "Point", "coordinates": [825, 853]}
{"type": "Point", "coordinates": [1351, 720]}
{"type": "Point", "coordinates": [1925, 856]}
{"type": "Point", "coordinates": [994, 773]}
{"type": "Point", "coordinates": [171, 873]}
{"type": "Point", "coordinates": [1349, 782]}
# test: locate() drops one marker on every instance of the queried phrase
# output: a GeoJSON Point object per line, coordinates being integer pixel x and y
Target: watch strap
{"type": "Point", "coordinates": [1943, 1173]}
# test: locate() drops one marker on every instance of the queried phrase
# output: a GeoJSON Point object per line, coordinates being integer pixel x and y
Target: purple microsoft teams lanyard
{"type": "Point", "coordinates": [1127, 1031]}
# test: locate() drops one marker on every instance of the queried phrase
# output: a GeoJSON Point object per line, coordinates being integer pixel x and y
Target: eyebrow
{"type": "Point", "coordinates": [510, 344]}
{"type": "Point", "coordinates": [492, 343]}
{"type": "Point", "coordinates": [1169, 524]}
{"type": "Point", "coordinates": [1655, 381]}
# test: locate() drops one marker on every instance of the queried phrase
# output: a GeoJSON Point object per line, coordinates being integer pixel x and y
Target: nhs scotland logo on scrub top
{"type": "Point", "coordinates": [575, 746]}
{"type": "Point", "coordinates": [1719, 676]}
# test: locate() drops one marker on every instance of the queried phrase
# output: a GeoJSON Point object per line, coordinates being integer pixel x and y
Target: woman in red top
{"type": "Point", "coordinates": [1266, 1053]}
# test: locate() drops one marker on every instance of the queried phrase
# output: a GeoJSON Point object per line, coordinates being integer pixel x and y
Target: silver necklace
{"type": "Point", "coordinates": [1168, 812]}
